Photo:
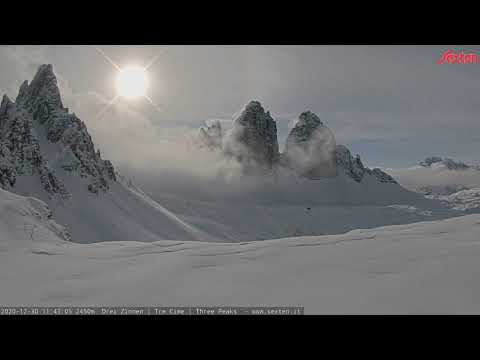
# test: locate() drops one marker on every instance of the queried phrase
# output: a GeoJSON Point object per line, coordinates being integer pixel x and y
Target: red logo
{"type": "Point", "coordinates": [452, 57]}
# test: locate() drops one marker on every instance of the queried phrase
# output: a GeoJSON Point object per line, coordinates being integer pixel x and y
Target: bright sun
{"type": "Point", "coordinates": [132, 82]}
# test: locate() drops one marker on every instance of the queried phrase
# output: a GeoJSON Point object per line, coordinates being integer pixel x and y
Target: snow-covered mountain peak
{"type": "Point", "coordinates": [354, 168]}
{"type": "Point", "coordinates": [47, 153]}
{"type": "Point", "coordinates": [22, 91]}
{"type": "Point", "coordinates": [255, 115]}
{"type": "Point", "coordinates": [309, 119]}
{"type": "Point", "coordinates": [254, 106]}
{"type": "Point", "coordinates": [41, 140]}
{"type": "Point", "coordinates": [304, 128]}
{"type": "Point", "coordinates": [253, 138]}
{"type": "Point", "coordinates": [5, 106]}
{"type": "Point", "coordinates": [5, 101]}
{"type": "Point", "coordinates": [310, 148]}
{"type": "Point", "coordinates": [42, 92]}
{"type": "Point", "coordinates": [448, 163]}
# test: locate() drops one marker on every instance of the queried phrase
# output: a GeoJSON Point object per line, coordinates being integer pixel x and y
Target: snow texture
{"type": "Point", "coordinates": [422, 268]}
{"type": "Point", "coordinates": [465, 200]}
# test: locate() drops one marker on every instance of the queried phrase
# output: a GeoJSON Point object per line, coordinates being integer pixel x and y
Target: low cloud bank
{"type": "Point", "coordinates": [436, 179]}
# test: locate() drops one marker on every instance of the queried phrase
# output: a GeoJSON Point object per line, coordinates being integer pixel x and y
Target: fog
{"type": "Point", "coordinates": [415, 178]}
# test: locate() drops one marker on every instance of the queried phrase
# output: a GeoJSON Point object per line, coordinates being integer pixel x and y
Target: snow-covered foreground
{"type": "Point", "coordinates": [429, 267]}
{"type": "Point", "coordinates": [26, 219]}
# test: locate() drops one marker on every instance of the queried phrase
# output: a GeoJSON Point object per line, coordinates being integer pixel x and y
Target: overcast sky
{"type": "Point", "coordinates": [392, 104]}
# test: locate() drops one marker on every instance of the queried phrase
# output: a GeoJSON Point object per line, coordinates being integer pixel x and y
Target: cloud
{"type": "Point", "coordinates": [317, 158]}
{"type": "Point", "coordinates": [392, 100]}
{"type": "Point", "coordinates": [418, 177]}
{"type": "Point", "coordinates": [130, 139]}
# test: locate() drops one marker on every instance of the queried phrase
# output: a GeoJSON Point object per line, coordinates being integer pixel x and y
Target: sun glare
{"type": "Point", "coordinates": [132, 82]}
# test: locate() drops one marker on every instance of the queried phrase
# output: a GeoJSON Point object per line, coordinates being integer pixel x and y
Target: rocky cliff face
{"type": "Point", "coordinates": [311, 151]}
{"type": "Point", "coordinates": [382, 176]}
{"type": "Point", "coordinates": [354, 168]}
{"type": "Point", "coordinates": [253, 138]}
{"type": "Point", "coordinates": [20, 153]}
{"type": "Point", "coordinates": [310, 148]}
{"type": "Point", "coordinates": [304, 129]}
{"type": "Point", "coordinates": [40, 138]}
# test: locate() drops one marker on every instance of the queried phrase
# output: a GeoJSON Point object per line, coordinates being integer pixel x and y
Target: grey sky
{"type": "Point", "coordinates": [392, 104]}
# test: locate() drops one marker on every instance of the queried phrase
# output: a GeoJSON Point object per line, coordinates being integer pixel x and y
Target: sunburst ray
{"type": "Point", "coordinates": [160, 109]}
{"type": "Point", "coordinates": [104, 110]}
{"type": "Point", "coordinates": [154, 59]}
{"type": "Point", "coordinates": [106, 57]}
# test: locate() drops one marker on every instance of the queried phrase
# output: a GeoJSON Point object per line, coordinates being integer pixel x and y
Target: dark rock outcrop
{"type": "Point", "coordinates": [354, 168]}
{"type": "Point", "coordinates": [382, 176]}
{"type": "Point", "coordinates": [253, 138]}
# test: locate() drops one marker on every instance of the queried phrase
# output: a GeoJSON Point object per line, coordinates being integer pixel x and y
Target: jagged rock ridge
{"type": "Point", "coordinates": [38, 119]}
{"type": "Point", "coordinates": [304, 128]}
{"type": "Point", "coordinates": [20, 152]}
{"type": "Point", "coordinates": [310, 148]}
{"type": "Point", "coordinates": [354, 167]}
{"type": "Point", "coordinates": [253, 138]}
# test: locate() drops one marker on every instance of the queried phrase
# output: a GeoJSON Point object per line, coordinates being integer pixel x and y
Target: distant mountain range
{"type": "Point", "coordinates": [447, 163]}
{"type": "Point", "coordinates": [46, 152]}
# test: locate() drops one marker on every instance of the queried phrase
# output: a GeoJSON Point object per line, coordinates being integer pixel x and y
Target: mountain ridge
{"type": "Point", "coordinates": [46, 152]}
{"type": "Point", "coordinates": [310, 147]}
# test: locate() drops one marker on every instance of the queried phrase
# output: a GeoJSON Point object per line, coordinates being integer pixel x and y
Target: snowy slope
{"type": "Point", "coordinates": [428, 267]}
{"type": "Point", "coordinates": [240, 221]}
{"type": "Point", "coordinates": [258, 209]}
{"type": "Point", "coordinates": [25, 220]}
{"type": "Point", "coordinates": [121, 213]}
